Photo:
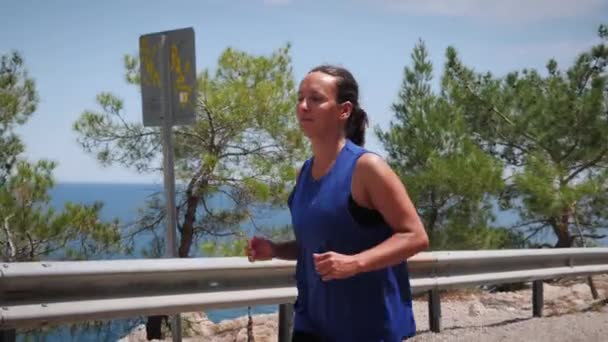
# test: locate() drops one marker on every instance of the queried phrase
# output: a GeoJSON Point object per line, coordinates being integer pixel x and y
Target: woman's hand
{"type": "Point", "coordinates": [259, 248]}
{"type": "Point", "coordinates": [332, 265]}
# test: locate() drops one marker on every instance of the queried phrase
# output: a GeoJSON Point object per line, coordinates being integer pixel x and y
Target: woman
{"type": "Point", "coordinates": [354, 224]}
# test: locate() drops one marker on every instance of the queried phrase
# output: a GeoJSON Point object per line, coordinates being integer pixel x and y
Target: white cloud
{"type": "Point", "coordinates": [503, 10]}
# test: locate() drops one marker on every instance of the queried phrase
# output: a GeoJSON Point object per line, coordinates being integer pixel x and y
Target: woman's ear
{"type": "Point", "coordinates": [346, 109]}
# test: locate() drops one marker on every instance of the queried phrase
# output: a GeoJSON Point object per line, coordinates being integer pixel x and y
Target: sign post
{"type": "Point", "coordinates": [168, 90]}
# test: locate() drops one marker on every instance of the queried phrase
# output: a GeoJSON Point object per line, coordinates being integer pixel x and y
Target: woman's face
{"type": "Point", "coordinates": [318, 112]}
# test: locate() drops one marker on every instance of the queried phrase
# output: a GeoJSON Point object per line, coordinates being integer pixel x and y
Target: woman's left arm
{"type": "Point", "coordinates": [379, 188]}
{"type": "Point", "coordinates": [384, 192]}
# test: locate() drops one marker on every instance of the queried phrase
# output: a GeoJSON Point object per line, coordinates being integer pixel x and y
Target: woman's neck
{"type": "Point", "coordinates": [325, 152]}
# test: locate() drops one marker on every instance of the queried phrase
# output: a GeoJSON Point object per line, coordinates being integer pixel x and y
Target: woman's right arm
{"type": "Point", "coordinates": [260, 248]}
{"type": "Point", "coordinates": [287, 250]}
{"type": "Point", "coordinates": [264, 249]}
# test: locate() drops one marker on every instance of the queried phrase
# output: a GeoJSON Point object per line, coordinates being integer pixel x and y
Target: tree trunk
{"type": "Point", "coordinates": [560, 226]}
{"type": "Point", "coordinates": [153, 325]}
{"type": "Point", "coordinates": [187, 231]}
{"type": "Point", "coordinates": [430, 218]}
{"type": "Point", "coordinates": [250, 337]}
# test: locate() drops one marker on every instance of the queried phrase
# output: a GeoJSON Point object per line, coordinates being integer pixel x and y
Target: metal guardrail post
{"type": "Point", "coordinates": [8, 335]}
{"type": "Point", "coordinates": [285, 322]}
{"type": "Point", "coordinates": [434, 311]}
{"type": "Point", "coordinates": [592, 287]}
{"type": "Point", "coordinates": [176, 326]}
{"type": "Point", "coordinates": [537, 298]}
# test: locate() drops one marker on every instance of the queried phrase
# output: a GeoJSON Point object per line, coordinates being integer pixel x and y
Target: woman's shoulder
{"type": "Point", "coordinates": [360, 151]}
{"type": "Point", "coordinates": [363, 155]}
{"type": "Point", "coordinates": [370, 167]}
{"type": "Point", "coordinates": [371, 163]}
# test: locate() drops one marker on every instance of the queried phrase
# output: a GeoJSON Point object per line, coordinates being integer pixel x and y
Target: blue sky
{"type": "Point", "coordinates": [74, 49]}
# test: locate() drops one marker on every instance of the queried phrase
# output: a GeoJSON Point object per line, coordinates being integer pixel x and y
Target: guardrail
{"type": "Point", "coordinates": [37, 294]}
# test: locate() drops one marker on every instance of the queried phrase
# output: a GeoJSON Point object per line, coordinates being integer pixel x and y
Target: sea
{"type": "Point", "coordinates": [123, 201]}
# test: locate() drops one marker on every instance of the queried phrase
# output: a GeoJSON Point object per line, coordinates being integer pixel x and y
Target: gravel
{"type": "Point", "coordinates": [570, 313]}
{"type": "Point", "coordinates": [588, 326]}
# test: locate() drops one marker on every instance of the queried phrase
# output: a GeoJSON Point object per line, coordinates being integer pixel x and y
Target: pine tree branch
{"type": "Point", "coordinates": [256, 227]}
{"type": "Point", "coordinates": [244, 151]}
{"type": "Point", "coordinates": [586, 165]}
{"type": "Point", "coordinates": [192, 135]}
{"type": "Point", "coordinates": [145, 227]}
{"type": "Point", "coordinates": [529, 223]}
{"type": "Point", "coordinates": [585, 79]}
{"type": "Point", "coordinates": [213, 233]}
{"type": "Point", "coordinates": [525, 134]}
{"type": "Point", "coordinates": [511, 144]}
{"type": "Point", "coordinates": [493, 108]}
{"type": "Point", "coordinates": [221, 180]}
{"type": "Point", "coordinates": [203, 102]}
{"type": "Point", "coordinates": [227, 193]}
{"type": "Point", "coordinates": [570, 150]}
{"type": "Point", "coordinates": [535, 231]}
{"type": "Point", "coordinates": [594, 236]}
{"type": "Point", "coordinates": [113, 137]}
{"type": "Point", "coordinates": [122, 120]}
{"type": "Point", "coordinates": [206, 208]}
{"type": "Point", "coordinates": [32, 247]}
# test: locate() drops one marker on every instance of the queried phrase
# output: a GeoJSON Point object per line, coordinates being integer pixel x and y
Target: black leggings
{"type": "Point", "coordinates": [303, 336]}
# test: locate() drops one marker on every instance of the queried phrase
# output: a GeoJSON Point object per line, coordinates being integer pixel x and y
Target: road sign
{"type": "Point", "coordinates": [168, 77]}
{"type": "Point", "coordinates": [168, 91]}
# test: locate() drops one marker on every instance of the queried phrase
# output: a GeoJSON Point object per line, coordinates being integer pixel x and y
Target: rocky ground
{"type": "Point", "coordinates": [570, 314]}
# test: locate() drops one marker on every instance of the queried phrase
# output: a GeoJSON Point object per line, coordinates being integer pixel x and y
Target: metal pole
{"type": "Point", "coordinates": [169, 181]}
{"type": "Point", "coordinates": [285, 322]}
{"type": "Point", "coordinates": [434, 311]}
{"type": "Point", "coordinates": [537, 298]}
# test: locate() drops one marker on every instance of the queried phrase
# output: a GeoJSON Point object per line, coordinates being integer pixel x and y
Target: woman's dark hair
{"type": "Point", "coordinates": [348, 90]}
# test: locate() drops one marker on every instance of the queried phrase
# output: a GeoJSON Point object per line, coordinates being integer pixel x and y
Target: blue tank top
{"type": "Point", "coordinates": [369, 307]}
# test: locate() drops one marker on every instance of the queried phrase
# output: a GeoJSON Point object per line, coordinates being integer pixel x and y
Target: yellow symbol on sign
{"type": "Point", "coordinates": [180, 81]}
{"type": "Point", "coordinates": [151, 75]}
{"type": "Point", "coordinates": [183, 97]}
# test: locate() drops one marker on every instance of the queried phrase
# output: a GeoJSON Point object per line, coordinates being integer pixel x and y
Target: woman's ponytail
{"type": "Point", "coordinates": [356, 124]}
